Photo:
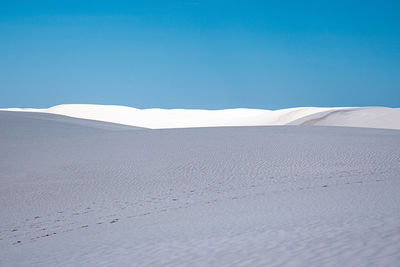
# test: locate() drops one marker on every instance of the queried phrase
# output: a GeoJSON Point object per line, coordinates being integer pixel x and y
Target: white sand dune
{"type": "Point", "coordinates": [371, 117]}
{"type": "Point", "coordinates": [76, 192]}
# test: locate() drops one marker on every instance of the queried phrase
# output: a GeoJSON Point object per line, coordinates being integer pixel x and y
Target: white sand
{"type": "Point", "coordinates": [84, 193]}
{"type": "Point", "coordinates": [372, 117]}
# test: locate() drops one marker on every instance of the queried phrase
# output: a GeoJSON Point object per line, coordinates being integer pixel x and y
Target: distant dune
{"type": "Point", "coordinates": [370, 117]}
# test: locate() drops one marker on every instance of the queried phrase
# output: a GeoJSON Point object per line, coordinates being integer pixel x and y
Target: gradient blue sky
{"type": "Point", "coordinates": [200, 54]}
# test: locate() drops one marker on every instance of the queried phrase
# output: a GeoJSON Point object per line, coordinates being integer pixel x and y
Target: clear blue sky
{"type": "Point", "coordinates": [200, 54]}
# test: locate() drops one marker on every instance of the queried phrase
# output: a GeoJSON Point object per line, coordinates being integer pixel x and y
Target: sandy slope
{"type": "Point", "coordinates": [85, 193]}
{"type": "Point", "coordinates": [372, 117]}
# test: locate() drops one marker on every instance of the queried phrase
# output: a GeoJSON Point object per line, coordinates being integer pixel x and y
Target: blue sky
{"type": "Point", "coordinates": [200, 54]}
